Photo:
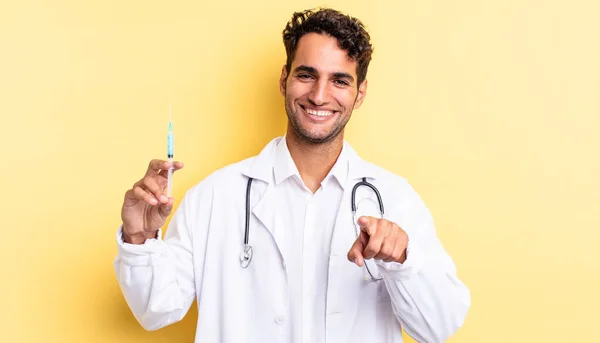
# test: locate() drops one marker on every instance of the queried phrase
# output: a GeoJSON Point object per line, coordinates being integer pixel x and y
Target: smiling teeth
{"type": "Point", "coordinates": [319, 113]}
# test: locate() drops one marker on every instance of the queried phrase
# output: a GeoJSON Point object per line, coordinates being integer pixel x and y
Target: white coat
{"type": "Point", "coordinates": [200, 258]}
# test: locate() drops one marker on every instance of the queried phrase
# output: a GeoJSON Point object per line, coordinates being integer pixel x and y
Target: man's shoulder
{"type": "Point", "coordinates": [382, 173]}
{"type": "Point", "coordinates": [361, 167]}
{"type": "Point", "coordinates": [236, 174]}
{"type": "Point", "coordinates": [225, 175]}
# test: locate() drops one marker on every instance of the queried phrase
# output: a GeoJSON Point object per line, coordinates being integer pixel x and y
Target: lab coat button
{"type": "Point", "coordinates": [279, 320]}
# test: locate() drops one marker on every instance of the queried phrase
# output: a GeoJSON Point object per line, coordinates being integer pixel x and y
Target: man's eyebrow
{"type": "Point", "coordinates": [340, 75]}
{"type": "Point", "coordinates": [311, 70]}
{"type": "Point", "coordinates": [306, 69]}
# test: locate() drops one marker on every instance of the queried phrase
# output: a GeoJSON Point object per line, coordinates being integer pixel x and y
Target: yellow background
{"type": "Point", "coordinates": [489, 108]}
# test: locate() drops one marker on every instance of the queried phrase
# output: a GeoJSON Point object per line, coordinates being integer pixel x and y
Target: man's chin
{"type": "Point", "coordinates": [316, 138]}
{"type": "Point", "coordinates": [319, 135]}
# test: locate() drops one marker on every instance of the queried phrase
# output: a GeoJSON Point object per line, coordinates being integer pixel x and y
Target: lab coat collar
{"type": "Point", "coordinates": [263, 166]}
{"type": "Point", "coordinates": [339, 171]}
{"type": "Point", "coordinates": [284, 166]}
{"type": "Point", "coordinates": [359, 168]}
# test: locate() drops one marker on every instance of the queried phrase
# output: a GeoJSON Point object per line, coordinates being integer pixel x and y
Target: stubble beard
{"type": "Point", "coordinates": [305, 136]}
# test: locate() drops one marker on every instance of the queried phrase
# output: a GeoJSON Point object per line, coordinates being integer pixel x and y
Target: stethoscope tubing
{"type": "Point", "coordinates": [247, 253]}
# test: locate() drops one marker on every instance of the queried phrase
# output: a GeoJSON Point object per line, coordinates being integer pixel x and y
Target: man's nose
{"type": "Point", "coordinates": [319, 92]}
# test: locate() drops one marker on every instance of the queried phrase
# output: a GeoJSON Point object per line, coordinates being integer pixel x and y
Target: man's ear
{"type": "Point", "coordinates": [362, 92]}
{"type": "Point", "coordinates": [282, 80]}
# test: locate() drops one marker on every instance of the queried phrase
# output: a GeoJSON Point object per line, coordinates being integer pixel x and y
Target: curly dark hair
{"type": "Point", "coordinates": [349, 32]}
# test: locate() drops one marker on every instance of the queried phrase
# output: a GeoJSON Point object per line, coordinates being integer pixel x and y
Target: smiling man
{"type": "Point", "coordinates": [320, 88]}
{"type": "Point", "coordinates": [293, 260]}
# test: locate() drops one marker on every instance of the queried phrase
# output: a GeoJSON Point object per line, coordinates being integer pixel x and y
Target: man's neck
{"type": "Point", "coordinates": [314, 161]}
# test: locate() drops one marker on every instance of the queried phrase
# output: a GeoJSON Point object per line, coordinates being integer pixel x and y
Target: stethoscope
{"type": "Point", "coordinates": [246, 255]}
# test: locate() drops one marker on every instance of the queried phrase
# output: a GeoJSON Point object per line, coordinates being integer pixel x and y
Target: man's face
{"type": "Point", "coordinates": [321, 89]}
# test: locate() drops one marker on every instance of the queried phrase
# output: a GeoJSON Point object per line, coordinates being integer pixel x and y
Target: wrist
{"type": "Point", "coordinates": [138, 238]}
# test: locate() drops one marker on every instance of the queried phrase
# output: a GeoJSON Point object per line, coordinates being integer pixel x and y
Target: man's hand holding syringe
{"type": "Point", "coordinates": [146, 206]}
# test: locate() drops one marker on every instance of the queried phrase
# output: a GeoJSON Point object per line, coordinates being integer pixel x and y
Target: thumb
{"type": "Point", "coordinates": [355, 254]}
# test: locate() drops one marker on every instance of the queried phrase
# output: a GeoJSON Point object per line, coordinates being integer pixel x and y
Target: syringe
{"type": "Point", "coordinates": [170, 152]}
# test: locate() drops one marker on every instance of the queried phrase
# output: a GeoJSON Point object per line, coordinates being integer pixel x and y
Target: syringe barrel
{"type": "Point", "coordinates": [170, 145]}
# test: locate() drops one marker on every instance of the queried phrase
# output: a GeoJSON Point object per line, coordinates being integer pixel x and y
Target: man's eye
{"type": "Point", "coordinates": [304, 76]}
{"type": "Point", "coordinates": [341, 82]}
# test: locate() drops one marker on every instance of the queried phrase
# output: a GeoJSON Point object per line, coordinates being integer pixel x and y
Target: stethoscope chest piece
{"type": "Point", "coordinates": [246, 256]}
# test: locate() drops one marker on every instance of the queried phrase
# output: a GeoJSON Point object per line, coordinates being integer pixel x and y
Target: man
{"type": "Point", "coordinates": [274, 267]}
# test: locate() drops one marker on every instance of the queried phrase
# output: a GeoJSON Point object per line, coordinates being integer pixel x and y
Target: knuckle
{"type": "Point", "coordinates": [398, 230]}
{"type": "Point", "coordinates": [370, 251]}
{"type": "Point", "coordinates": [147, 180]}
{"type": "Point", "coordinates": [136, 190]}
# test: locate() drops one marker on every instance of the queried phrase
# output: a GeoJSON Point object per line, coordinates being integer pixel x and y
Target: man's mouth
{"type": "Point", "coordinates": [318, 113]}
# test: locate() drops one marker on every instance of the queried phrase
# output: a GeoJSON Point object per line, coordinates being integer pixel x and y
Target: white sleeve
{"type": "Point", "coordinates": [157, 277]}
{"type": "Point", "coordinates": [428, 299]}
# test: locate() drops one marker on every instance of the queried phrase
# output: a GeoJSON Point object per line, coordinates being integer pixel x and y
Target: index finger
{"type": "Point", "coordinates": [157, 165]}
{"type": "Point", "coordinates": [176, 166]}
{"type": "Point", "coordinates": [367, 224]}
